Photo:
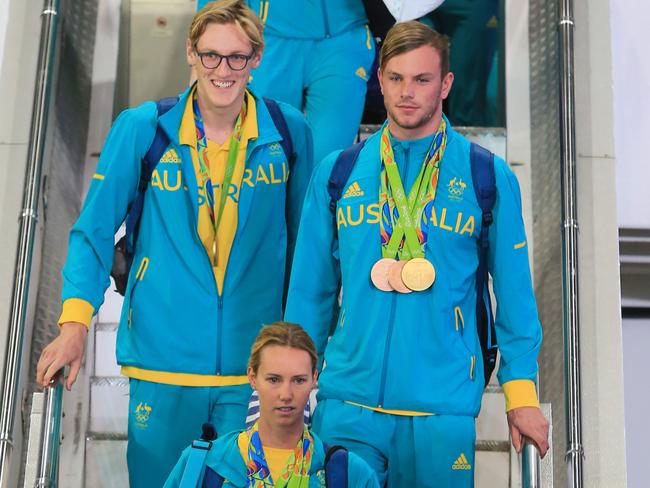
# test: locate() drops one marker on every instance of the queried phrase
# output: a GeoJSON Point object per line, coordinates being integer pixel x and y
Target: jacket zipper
{"type": "Point", "coordinates": [407, 155]}
{"type": "Point", "coordinates": [325, 19]}
{"type": "Point", "coordinates": [391, 323]}
{"type": "Point", "coordinates": [389, 335]}
{"type": "Point", "coordinates": [219, 331]}
{"type": "Point", "coordinates": [219, 345]}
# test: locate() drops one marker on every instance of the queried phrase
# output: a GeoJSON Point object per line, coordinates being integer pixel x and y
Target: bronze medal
{"type": "Point", "coordinates": [418, 274]}
{"type": "Point", "coordinates": [395, 277]}
{"type": "Point", "coordinates": [379, 274]}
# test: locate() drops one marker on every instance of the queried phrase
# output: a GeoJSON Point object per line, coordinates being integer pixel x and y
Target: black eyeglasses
{"type": "Point", "coordinates": [212, 60]}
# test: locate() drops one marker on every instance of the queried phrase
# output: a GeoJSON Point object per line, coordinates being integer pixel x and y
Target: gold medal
{"type": "Point", "coordinates": [418, 274]}
{"type": "Point", "coordinates": [379, 274]}
{"type": "Point", "coordinates": [395, 277]}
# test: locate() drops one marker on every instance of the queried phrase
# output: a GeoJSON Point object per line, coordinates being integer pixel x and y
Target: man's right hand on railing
{"type": "Point", "coordinates": [66, 349]}
{"type": "Point", "coordinates": [528, 422]}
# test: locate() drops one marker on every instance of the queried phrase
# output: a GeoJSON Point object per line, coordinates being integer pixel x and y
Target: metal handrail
{"type": "Point", "coordinates": [48, 465]}
{"type": "Point", "coordinates": [28, 219]}
{"type": "Point", "coordinates": [575, 452]}
{"type": "Point", "coordinates": [530, 466]}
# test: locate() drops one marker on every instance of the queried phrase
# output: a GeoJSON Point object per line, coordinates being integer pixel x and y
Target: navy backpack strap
{"type": "Point", "coordinates": [336, 466]}
{"type": "Point", "coordinates": [484, 180]}
{"type": "Point", "coordinates": [341, 172]}
{"type": "Point", "coordinates": [281, 124]}
{"type": "Point", "coordinates": [148, 164]}
{"type": "Point", "coordinates": [195, 463]}
{"type": "Point", "coordinates": [196, 458]}
{"type": "Point", "coordinates": [212, 479]}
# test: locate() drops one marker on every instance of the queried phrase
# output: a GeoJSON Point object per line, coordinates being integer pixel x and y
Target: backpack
{"type": "Point", "coordinates": [336, 464]}
{"type": "Point", "coordinates": [125, 248]}
{"type": "Point", "coordinates": [482, 166]}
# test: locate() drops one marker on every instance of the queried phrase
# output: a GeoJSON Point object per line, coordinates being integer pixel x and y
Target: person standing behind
{"type": "Point", "coordinates": [403, 244]}
{"type": "Point", "coordinates": [318, 57]}
{"type": "Point", "coordinates": [278, 450]}
{"type": "Point", "coordinates": [218, 221]}
{"type": "Point", "coordinates": [466, 22]}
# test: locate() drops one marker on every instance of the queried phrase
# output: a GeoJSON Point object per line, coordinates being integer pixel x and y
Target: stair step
{"type": "Point", "coordinates": [106, 436]}
{"type": "Point", "coordinates": [109, 405]}
{"type": "Point", "coordinates": [111, 381]}
{"type": "Point", "coordinates": [105, 337]}
{"type": "Point", "coordinates": [493, 446]}
{"type": "Point", "coordinates": [491, 424]}
{"type": "Point", "coordinates": [106, 463]}
{"type": "Point", "coordinates": [492, 469]}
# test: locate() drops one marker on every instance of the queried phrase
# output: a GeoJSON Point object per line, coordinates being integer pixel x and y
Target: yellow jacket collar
{"type": "Point", "coordinates": [187, 130]}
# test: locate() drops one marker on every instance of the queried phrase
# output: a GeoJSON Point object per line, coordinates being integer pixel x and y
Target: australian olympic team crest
{"type": "Point", "coordinates": [275, 148]}
{"type": "Point", "coordinates": [142, 413]}
{"type": "Point", "coordinates": [320, 476]}
{"type": "Point", "coordinates": [456, 188]}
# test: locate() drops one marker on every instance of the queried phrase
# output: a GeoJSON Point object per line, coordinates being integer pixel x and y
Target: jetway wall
{"type": "Point", "coordinates": [601, 353]}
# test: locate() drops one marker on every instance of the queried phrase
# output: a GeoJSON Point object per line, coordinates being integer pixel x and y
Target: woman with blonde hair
{"type": "Point", "coordinates": [278, 450]}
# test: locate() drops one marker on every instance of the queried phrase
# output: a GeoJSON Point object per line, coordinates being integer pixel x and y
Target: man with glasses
{"type": "Point", "coordinates": [219, 217]}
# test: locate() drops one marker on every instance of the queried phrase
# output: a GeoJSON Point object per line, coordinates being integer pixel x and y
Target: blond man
{"type": "Point", "coordinates": [219, 217]}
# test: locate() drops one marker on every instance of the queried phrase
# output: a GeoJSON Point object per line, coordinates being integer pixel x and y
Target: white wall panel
{"type": "Point", "coordinates": [636, 340]}
{"type": "Point", "coordinates": [631, 72]}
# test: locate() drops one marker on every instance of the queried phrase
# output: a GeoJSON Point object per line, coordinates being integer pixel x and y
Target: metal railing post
{"type": "Point", "coordinates": [49, 462]}
{"type": "Point", "coordinates": [27, 231]}
{"type": "Point", "coordinates": [530, 466]}
{"type": "Point", "coordinates": [570, 229]}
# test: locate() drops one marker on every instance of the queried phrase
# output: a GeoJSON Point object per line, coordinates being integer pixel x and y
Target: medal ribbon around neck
{"type": "Point", "coordinates": [294, 475]}
{"type": "Point", "coordinates": [401, 223]}
{"type": "Point", "coordinates": [204, 166]}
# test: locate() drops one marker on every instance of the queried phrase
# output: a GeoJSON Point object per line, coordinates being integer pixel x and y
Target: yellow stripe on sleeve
{"type": "Point", "coordinates": [520, 393]}
{"type": "Point", "coordinates": [97, 176]}
{"type": "Point", "coordinates": [520, 245]}
{"type": "Point", "coordinates": [76, 310]}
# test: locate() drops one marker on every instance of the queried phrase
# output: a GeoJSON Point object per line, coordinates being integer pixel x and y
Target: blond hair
{"type": "Point", "coordinates": [407, 36]}
{"type": "Point", "coordinates": [228, 12]}
{"type": "Point", "coordinates": [282, 334]}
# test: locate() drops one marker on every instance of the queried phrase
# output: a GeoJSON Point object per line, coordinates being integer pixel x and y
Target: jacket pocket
{"type": "Point", "coordinates": [139, 276]}
{"type": "Point", "coordinates": [460, 330]}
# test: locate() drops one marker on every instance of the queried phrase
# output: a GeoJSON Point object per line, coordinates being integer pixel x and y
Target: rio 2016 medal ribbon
{"type": "Point", "coordinates": [418, 274]}
{"type": "Point", "coordinates": [379, 274]}
{"type": "Point", "coordinates": [403, 229]}
{"type": "Point", "coordinates": [395, 277]}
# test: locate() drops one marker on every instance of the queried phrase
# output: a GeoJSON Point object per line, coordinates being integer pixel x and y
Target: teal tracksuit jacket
{"type": "Point", "coordinates": [307, 19]}
{"type": "Point", "coordinates": [419, 351]}
{"type": "Point", "coordinates": [225, 458]}
{"type": "Point", "coordinates": [173, 319]}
